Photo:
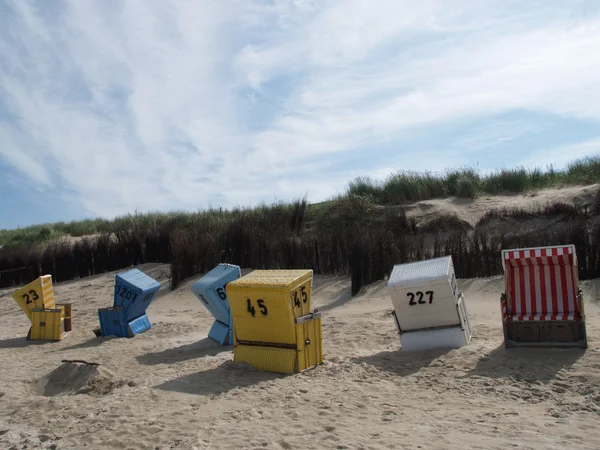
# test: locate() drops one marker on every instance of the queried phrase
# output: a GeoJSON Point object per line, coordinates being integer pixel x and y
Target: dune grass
{"type": "Point", "coordinates": [361, 195]}
{"type": "Point", "coordinates": [408, 186]}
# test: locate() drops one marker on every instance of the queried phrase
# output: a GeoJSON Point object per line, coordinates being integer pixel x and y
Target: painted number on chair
{"type": "Point", "coordinates": [122, 291]}
{"type": "Point", "coordinates": [221, 292]}
{"type": "Point", "coordinates": [300, 297]}
{"type": "Point", "coordinates": [33, 297]}
{"type": "Point", "coordinates": [260, 304]}
{"type": "Point", "coordinates": [418, 298]}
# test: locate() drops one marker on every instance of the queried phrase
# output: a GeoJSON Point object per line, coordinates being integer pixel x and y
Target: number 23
{"type": "Point", "coordinates": [420, 295]}
{"type": "Point", "coordinates": [27, 299]}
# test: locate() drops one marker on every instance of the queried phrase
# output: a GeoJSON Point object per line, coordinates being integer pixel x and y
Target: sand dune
{"type": "Point", "coordinates": [472, 210]}
{"type": "Point", "coordinates": [172, 388]}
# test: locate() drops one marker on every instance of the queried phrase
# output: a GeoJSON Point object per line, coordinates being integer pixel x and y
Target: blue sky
{"type": "Point", "coordinates": [107, 107]}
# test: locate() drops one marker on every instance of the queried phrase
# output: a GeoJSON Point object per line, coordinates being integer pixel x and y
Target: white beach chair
{"type": "Point", "coordinates": [429, 310]}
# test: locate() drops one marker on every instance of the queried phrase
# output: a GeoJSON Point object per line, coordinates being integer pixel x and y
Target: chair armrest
{"type": "Point", "coordinates": [504, 308]}
{"type": "Point", "coordinates": [580, 303]}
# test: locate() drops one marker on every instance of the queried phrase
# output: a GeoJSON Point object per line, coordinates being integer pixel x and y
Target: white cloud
{"type": "Point", "coordinates": [146, 105]}
{"type": "Point", "coordinates": [560, 156]}
{"type": "Point", "coordinates": [10, 149]}
{"type": "Point", "coordinates": [494, 133]}
{"type": "Point", "coordinates": [518, 63]}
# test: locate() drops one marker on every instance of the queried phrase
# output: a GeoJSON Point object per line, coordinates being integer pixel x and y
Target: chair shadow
{"type": "Point", "coordinates": [21, 342]}
{"type": "Point", "coordinates": [399, 362]}
{"type": "Point", "coordinates": [221, 379]}
{"type": "Point", "coordinates": [525, 363]}
{"type": "Point", "coordinates": [204, 347]}
{"type": "Point", "coordinates": [94, 342]}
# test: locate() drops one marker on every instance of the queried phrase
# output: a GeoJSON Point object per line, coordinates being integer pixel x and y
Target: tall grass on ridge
{"type": "Point", "coordinates": [410, 186]}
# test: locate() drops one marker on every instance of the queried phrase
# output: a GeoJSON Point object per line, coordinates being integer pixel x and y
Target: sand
{"type": "Point", "coordinates": [472, 210]}
{"type": "Point", "coordinates": [172, 388]}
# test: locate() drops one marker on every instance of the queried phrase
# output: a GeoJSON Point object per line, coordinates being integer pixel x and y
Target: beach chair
{"type": "Point", "coordinates": [133, 293]}
{"type": "Point", "coordinates": [542, 305]}
{"type": "Point", "coordinates": [49, 321]}
{"type": "Point", "coordinates": [429, 310]}
{"type": "Point", "coordinates": [211, 291]}
{"type": "Point", "coordinates": [274, 329]}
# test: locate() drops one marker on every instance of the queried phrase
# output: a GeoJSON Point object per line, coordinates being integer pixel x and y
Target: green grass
{"type": "Point", "coordinates": [408, 186]}
{"type": "Point", "coordinates": [361, 196]}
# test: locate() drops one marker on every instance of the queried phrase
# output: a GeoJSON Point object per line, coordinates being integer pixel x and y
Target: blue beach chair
{"type": "Point", "coordinates": [133, 293]}
{"type": "Point", "coordinates": [210, 290]}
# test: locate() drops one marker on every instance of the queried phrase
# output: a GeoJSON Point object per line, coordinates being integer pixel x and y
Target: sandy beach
{"type": "Point", "coordinates": [173, 388]}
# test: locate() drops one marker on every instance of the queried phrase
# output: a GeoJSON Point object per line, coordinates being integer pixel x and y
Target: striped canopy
{"type": "Point", "coordinates": [541, 283]}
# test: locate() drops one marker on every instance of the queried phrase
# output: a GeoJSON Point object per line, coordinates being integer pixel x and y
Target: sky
{"type": "Point", "coordinates": [113, 106]}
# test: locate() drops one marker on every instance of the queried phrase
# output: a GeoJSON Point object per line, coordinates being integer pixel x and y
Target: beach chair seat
{"type": "Point", "coordinates": [133, 293]}
{"type": "Point", "coordinates": [115, 322]}
{"type": "Point", "coordinates": [51, 324]}
{"type": "Point", "coordinates": [542, 317]}
{"type": "Point", "coordinates": [274, 329]}
{"type": "Point", "coordinates": [211, 291]}
{"type": "Point", "coordinates": [429, 309]}
{"type": "Point", "coordinates": [542, 304]}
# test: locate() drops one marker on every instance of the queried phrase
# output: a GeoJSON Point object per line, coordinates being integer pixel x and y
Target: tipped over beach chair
{"type": "Point", "coordinates": [429, 310]}
{"type": "Point", "coordinates": [274, 329]}
{"type": "Point", "coordinates": [49, 321]}
{"type": "Point", "coordinates": [133, 293]}
{"type": "Point", "coordinates": [542, 305]}
{"type": "Point", "coordinates": [211, 291]}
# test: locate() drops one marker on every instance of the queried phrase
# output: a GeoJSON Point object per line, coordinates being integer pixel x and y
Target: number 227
{"type": "Point", "coordinates": [420, 295]}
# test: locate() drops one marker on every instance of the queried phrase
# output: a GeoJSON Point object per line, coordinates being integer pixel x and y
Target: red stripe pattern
{"type": "Point", "coordinates": [541, 284]}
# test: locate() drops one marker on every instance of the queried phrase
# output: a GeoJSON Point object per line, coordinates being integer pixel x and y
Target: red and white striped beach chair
{"type": "Point", "coordinates": [542, 305]}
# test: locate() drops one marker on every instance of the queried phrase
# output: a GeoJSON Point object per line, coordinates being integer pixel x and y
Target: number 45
{"type": "Point", "coordinates": [303, 294]}
{"type": "Point", "coordinates": [261, 304]}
